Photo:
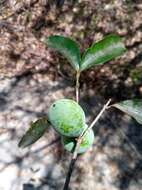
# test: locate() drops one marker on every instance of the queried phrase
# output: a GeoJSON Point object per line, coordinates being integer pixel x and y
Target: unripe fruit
{"type": "Point", "coordinates": [67, 117]}
{"type": "Point", "coordinates": [87, 141]}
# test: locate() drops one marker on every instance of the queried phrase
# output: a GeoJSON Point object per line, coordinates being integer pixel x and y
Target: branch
{"type": "Point", "coordinates": [70, 170]}
{"type": "Point", "coordinates": [79, 140]}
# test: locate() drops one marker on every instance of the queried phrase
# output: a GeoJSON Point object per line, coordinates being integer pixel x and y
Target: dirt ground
{"type": "Point", "coordinates": [32, 77]}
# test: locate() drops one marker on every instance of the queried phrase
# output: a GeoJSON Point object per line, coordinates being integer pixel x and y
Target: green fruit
{"type": "Point", "coordinates": [67, 117]}
{"type": "Point", "coordinates": [69, 143]}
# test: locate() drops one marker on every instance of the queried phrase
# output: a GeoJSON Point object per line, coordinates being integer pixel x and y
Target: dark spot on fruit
{"type": "Point", "coordinates": [54, 105]}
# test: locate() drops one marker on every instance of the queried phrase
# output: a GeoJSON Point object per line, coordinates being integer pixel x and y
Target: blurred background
{"type": "Point", "coordinates": [32, 77]}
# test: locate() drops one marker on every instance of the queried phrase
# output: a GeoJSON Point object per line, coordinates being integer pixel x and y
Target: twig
{"type": "Point", "coordinates": [79, 140]}
{"type": "Point", "coordinates": [77, 86]}
{"type": "Point", "coordinates": [97, 118]}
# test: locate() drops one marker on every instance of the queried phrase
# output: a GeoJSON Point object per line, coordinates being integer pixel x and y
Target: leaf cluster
{"type": "Point", "coordinates": [99, 53]}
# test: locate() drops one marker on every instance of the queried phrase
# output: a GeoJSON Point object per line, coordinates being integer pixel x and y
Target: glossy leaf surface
{"type": "Point", "coordinates": [67, 47]}
{"type": "Point", "coordinates": [105, 50]}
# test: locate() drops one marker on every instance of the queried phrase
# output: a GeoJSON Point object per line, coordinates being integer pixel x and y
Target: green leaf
{"type": "Point", "coordinates": [105, 50]}
{"type": "Point", "coordinates": [67, 47]}
{"type": "Point", "coordinates": [36, 130]}
{"type": "Point", "coordinates": [132, 108]}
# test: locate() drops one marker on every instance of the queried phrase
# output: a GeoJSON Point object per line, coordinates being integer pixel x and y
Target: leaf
{"type": "Point", "coordinates": [105, 50]}
{"type": "Point", "coordinates": [37, 129]}
{"type": "Point", "coordinates": [132, 108]}
{"type": "Point", "coordinates": [67, 47]}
